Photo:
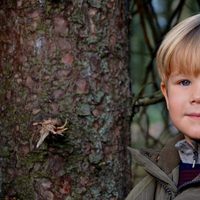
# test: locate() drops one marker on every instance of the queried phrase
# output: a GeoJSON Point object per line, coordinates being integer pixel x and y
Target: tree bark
{"type": "Point", "coordinates": [64, 60]}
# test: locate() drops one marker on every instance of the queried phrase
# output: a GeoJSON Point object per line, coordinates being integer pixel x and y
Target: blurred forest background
{"type": "Point", "coordinates": [150, 20]}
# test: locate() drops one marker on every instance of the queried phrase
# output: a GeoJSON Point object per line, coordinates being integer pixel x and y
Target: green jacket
{"type": "Point", "coordinates": [161, 181]}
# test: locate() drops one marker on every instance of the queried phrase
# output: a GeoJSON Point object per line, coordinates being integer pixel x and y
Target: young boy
{"type": "Point", "coordinates": [174, 173]}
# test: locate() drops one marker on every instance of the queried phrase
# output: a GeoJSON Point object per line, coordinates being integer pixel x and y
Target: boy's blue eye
{"type": "Point", "coordinates": [185, 82]}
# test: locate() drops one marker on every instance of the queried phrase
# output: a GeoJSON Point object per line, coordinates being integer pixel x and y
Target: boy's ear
{"type": "Point", "coordinates": [163, 88]}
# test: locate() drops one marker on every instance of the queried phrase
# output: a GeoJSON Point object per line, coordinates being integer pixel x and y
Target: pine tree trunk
{"type": "Point", "coordinates": [64, 60]}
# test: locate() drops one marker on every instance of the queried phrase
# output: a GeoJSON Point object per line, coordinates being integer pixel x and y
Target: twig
{"type": "Point", "coordinates": [145, 101]}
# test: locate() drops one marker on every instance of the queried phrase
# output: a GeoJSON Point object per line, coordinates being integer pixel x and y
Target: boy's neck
{"type": "Point", "coordinates": [192, 142]}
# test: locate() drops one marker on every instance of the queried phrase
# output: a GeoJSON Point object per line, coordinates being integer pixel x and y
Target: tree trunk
{"type": "Point", "coordinates": [64, 60]}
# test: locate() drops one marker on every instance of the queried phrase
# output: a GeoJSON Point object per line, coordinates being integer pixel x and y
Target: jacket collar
{"type": "Point", "coordinates": [167, 160]}
{"type": "Point", "coordinates": [152, 168]}
{"type": "Point", "coordinates": [169, 157]}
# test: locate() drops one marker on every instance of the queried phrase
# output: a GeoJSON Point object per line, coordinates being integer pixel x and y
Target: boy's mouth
{"type": "Point", "coordinates": [193, 115]}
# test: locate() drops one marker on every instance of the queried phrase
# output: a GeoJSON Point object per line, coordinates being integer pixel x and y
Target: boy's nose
{"type": "Point", "coordinates": [195, 97]}
{"type": "Point", "coordinates": [196, 100]}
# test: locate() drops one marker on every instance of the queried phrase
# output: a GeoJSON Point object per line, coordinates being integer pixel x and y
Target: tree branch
{"type": "Point", "coordinates": [150, 100]}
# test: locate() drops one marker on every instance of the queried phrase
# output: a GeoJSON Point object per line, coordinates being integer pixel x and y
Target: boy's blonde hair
{"type": "Point", "coordinates": [180, 50]}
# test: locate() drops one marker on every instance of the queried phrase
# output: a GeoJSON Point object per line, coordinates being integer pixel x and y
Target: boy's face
{"type": "Point", "coordinates": [182, 95]}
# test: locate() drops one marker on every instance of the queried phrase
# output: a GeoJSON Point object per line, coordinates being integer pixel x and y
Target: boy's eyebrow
{"type": "Point", "coordinates": [176, 74]}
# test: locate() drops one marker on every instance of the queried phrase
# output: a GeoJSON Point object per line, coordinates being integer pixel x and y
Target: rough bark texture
{"type": "Point", "coordinates": [64, 59]}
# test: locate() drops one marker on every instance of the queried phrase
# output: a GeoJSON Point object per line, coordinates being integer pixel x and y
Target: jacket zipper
{"type": "Point", "coordinates": [195, 158]}
{"type": "Point", "coordinates": [195, 154]}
